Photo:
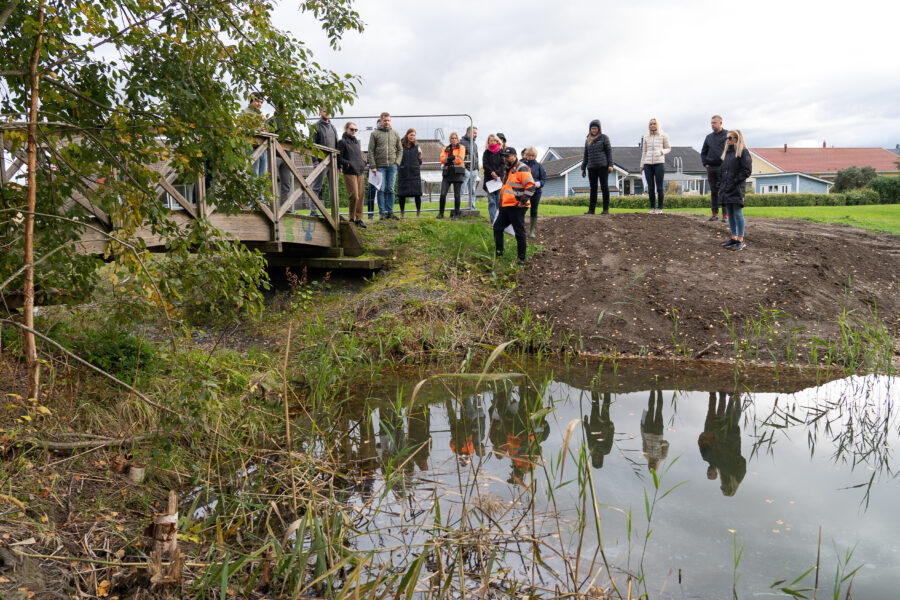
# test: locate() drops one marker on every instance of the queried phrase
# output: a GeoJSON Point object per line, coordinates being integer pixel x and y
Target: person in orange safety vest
{"type": "Point", "coordinates": [515, 196]}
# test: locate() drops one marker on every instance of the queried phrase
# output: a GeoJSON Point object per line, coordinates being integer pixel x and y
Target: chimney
{"type": "Point", "coordinates": [785, 147]}
{"type": "Point", "coordinates": [824, 145]}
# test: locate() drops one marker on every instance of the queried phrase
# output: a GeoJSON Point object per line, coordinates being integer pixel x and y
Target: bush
{"type": "Point", "coordinates": [851, 198]}
{"type": "Point", "coordinates": [852, 178]}
{"type": "Point", "coordinates": [888, 189]}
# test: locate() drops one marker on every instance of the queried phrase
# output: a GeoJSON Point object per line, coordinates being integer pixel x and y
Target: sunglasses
{"type": "Point", "coordinates": [732, 138]}
{"type": "Point", "coordinates": [353, 129]}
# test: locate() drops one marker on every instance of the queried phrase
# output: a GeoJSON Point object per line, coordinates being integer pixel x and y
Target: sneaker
{"type": "Point", "coordinates": [730, 243]}
{"type": "Point", "coordinates": [714, 218]}
{"type": "Point", "coordinates": [520, 262]}
{"type": "Point", "coordinates": [360, 224]}
{"type": "Point", "coordinates": [724, 218]}
{"type": "Point", "coordinates": [738, 246]}
{"type": "Point", "coordinates": [605, 212]}
{"type": "Point", "coordinates": [440, 216]}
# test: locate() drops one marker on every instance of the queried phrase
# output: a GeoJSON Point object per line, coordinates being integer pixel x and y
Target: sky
{"type": "Point", "coordinates": [794, 72]}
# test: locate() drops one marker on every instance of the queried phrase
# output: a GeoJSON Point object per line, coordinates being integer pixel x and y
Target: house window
{"type": "Point", "coordinates": [784, 188]}
{"type": "Point", "coordinates": [186, 190]}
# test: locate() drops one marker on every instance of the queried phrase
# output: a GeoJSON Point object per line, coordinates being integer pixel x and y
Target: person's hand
{"type": "Point", "coordinates": [583, 173]}
{"type": "Point", "coordinates": [610, 169]}
{"type": "Point", "coordinates": [374, 171]}
{"type": "Point", "coordinates": [537, 184]}
{"type": "Point", "coordinates": [494, 175]}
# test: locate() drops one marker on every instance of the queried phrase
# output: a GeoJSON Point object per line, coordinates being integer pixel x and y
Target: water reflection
{"type": "Point", "coordinates": [484, 448]}
{"type": "Point", "coordinates": [518, 427]}
{"type": "Point", "coordinates": [599, 430]}
{"type": "Point", "coordinates": [655, 448]}
{"type": "Point", "coordinates": [720, 442]}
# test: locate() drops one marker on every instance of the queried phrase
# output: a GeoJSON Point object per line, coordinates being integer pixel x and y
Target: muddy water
{"type": "Point", "coordinates": [758, 464]}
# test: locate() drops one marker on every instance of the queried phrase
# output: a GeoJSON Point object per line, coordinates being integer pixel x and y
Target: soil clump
{"type": "Point", "coordinates": [660, 285]}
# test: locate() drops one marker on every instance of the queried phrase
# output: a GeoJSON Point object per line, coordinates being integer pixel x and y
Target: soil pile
{"type": "Point", "coordinates": [658, 285]}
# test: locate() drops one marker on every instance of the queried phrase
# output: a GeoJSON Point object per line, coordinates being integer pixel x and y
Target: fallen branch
{"type": "Point", "coordinates": [94, 444]}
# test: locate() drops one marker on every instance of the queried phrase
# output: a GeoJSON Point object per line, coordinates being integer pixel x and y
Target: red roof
{"type": "Point", "coordinates": [827, 160]}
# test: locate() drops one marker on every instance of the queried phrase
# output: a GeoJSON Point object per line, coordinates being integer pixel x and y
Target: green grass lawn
{"type": "Point", "coordinates": [877, 217]}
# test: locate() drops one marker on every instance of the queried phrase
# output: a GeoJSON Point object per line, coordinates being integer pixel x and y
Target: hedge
{"type": "Point", "coordinates": [888, 188]}
{"type": "Point", "coordinates": [851, 198]}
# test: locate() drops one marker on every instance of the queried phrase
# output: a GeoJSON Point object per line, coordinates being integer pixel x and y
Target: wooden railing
{"type": "Point", "coordinates": [268, 223]}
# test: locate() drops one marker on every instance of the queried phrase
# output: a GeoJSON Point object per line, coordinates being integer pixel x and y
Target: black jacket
{"type": "Point", "coordinates": [350, 158]}
{"type": "Point", "coordinates": [471, 159]}
{"type": "Point", "coordinates": [597, 155]}
{"type": "Point", "coordinates": [492, 162]}
{"type": "Point", "coordinates": [735, 171]}
{"type": "Point", "coordinates": [713, 146]}
{"type": "Point", "coordinates": [322, 130]}
{"type": "Point", "coordinates": [409, 176]}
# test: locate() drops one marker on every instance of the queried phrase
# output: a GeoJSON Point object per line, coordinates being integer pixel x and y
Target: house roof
{"type": "Point", "coordinates": [627, 158]}
{"type": "Point", "coordinates": [791, 173]}
{"type": "Point", "coordinates": [826, 160]}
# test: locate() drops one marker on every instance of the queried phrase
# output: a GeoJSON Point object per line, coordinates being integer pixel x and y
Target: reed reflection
{"type": "Point", "coordinates": [599, 429]}
{"type": "Point", "coordinates": [720, 442]}
{"type": "Point", "coordinates": [655, 447]}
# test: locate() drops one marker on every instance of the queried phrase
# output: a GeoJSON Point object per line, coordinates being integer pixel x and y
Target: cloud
{"type": "Point", "coordinates": [798, 72]}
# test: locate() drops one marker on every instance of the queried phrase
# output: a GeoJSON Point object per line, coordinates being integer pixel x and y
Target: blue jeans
{"type": "Point", "coordinates": [735, 219]}
{"type": "Point", "coordinates": [386, 193]}
{"type": "Point", "coordinates": [493, 204]}
{"type": "Point", "coordinates": [469, 185]}
{"type": "Point", "coordinates": [655, 175]}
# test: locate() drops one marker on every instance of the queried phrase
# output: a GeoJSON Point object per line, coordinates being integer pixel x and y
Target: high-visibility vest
{"type": "Point", "coordinates": [468, 448]}
{"type": "Point", "coordinates": [459, 154]}
{"type": "Point", "coordinates": [518, 186]}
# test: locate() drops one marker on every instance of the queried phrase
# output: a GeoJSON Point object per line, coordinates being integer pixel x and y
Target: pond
{"type": "Point", "coordinates": [673, 483]}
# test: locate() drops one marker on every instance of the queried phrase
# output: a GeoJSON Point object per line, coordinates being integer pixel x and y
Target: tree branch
{"type": "Point", "coordinates": [7, 11]}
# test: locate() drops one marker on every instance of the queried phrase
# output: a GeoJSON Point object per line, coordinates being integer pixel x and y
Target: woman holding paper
{"type": "Point", "coordinates": [453, 171]}
{"type": "Point", "coordinates": [409, 182]}
{"type": "Point", "coordinates": [494, 169]}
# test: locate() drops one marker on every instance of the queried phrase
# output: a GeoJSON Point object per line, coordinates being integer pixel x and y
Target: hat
{"type": "Point", "coordinates": [509, 150]}
{"type": "Point", "coordinates": [501, 136]}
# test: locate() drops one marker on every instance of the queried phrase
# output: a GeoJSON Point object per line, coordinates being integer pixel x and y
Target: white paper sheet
{"type": "Point", "coordinates": [376, 179]}
{"type": "Point", "coordinates": [493, 185]}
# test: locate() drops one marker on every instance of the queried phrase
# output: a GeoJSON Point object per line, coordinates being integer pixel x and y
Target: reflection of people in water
{"type": "Point", "coordinates": [720, 442]}
{"type": "Point", "coordinates": [656, 449]}
{"type": "Point", "coordinates": [599, 429]}
{"type": "Point", "coordinates": [391, 437]}
{"type": "Point", "coordinates": [419, 436]}
{"type": "Point", "coordinates": [467, 429]}
{"type": "Point", "coordinates": [514, 433]}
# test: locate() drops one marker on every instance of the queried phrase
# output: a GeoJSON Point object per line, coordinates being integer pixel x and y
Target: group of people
{"type": "Point", "coordinates": [513, 185]}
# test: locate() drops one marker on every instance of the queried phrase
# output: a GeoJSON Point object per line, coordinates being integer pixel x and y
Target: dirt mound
{"type": "Point", "coordinates": [643, 284]}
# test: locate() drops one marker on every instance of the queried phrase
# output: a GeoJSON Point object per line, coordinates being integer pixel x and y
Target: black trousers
{"type": "Point", "coordinates": [714, 175]}
{"type": "Point", "coordinates": [535, 202]}
{"type": "Point", "coordinates": [445, 187]}
{"type": "Point", "coordinates": [515, 216]}
{"type": "Point", "coordinates": [403, 202]}
{"type": "Point", "coordinates": [600, 174]}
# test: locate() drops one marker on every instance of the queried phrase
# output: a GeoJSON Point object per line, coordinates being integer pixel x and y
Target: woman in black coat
{"type": "Point", "coordinates": [597, 164]}
{"type": "Point", "coordinates": [494, 169]}
{"type": "Point", "coordinates": [409, 177]}
{"type": "Point", "coordinates": [736, 168]}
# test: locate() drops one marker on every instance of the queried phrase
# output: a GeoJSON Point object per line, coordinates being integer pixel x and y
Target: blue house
{"type": "Point", "coordinates": [790, 183]}
{"type": "Point", "coordinates": [563, 166]}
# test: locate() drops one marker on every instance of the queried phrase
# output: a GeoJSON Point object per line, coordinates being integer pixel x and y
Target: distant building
{"type": "Point", "coordinates": [823, 163]}
{"type": "Point", "coordinates": [790, 183]}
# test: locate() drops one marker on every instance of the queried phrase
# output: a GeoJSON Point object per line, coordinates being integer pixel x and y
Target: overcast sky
{"type": "Point", "coordinates": [790, 71]}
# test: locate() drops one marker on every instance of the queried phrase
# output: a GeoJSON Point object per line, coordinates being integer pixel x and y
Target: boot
{"type": "Point", "coordinates": [532, 228]}
{"type": "Point", "coordinates": [418, 212]}
{"type": "Point", "coordinates": [442, 206]}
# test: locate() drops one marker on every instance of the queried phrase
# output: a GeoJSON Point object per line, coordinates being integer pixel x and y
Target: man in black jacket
{"type": "Point", "coordinates": [711, 157]}
{"type": "Point", "coordinates": [326, 135]}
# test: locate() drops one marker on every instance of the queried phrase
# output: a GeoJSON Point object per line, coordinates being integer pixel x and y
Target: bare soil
{"type": "Point", "coordinates": [623, 282]}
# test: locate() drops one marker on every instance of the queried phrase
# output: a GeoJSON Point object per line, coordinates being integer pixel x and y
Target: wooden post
{"type": "Point", "coordinates": [333, 187]}
{"type": "Point", "coordinates": [276, 196]}
{"type": "Point", "coordinates": [164, 531]}
{"type": "Point", "coordinates": [200, 195]}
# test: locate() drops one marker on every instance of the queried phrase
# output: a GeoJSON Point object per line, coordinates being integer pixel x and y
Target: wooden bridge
{"type": "Point", "coordinates": [275, 227]}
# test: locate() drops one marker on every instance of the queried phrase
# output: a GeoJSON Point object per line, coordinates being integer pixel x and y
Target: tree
{"type": "Point", "coordinates": [853, 178]}
{"type": "Point", "coordinates": [95, 92]}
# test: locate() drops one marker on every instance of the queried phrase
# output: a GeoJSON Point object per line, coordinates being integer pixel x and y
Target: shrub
{"type": "Point", "coordinates": [852, 178]}
{"type": "Point", "coordinates": [888, 189]}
